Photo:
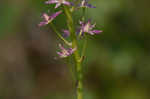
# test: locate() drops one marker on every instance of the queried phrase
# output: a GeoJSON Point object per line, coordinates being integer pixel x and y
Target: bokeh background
{"type": "Point", "coordinates": [117, 64]}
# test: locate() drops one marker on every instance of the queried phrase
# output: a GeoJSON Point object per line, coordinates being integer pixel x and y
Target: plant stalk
{"type": "Point", "coordinates": [79, 90]}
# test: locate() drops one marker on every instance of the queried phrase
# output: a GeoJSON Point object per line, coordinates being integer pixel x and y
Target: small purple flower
{"type": "Point", "coordinates": [84, 3]}
{"type": "Point", "coordinates": [88, 28]}
{"type": "Point", "coordinates": [65, 52]}
{"type": "Point", "coordinates": [58, 2]}
{"type": "Point", "coordinates": [48, 19]}
{"type": "Point", "coordinates": [66, 33]}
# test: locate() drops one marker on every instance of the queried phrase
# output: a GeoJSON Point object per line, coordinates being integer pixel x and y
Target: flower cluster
{"type": "Point", "coordinates": [84, 27]}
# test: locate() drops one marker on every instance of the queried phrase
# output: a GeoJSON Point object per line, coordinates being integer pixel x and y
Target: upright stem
{"type": "Point", "coordinates": [70, 24]}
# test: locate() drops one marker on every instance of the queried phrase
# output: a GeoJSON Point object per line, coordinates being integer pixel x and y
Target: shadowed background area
{"type": "Point", "coordinates": [117, 63]}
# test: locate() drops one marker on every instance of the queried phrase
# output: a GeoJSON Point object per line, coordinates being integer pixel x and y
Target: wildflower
{"type": "Point", "coordinates": [65, 52]}
{"type": "Point", "coordinates": [66, 33]}
{"type": "Point", "coordinates": [84, 3]}
{"type": "Point", "coordinates": [88, 28]}
{"type": "Point", "coordinates": [48, 19]}
{"type": "Point", "coordinates": [58, 2]}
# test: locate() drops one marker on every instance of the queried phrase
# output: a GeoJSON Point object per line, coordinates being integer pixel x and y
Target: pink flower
{"type": "Point", "coordinates": [65, 52]}
{"type": "Point", "coordinates": [48, 19]}
{"type": "Point", "coordinates": [58, 2]}
{"type": "Point", "coordinates": [88, 28]}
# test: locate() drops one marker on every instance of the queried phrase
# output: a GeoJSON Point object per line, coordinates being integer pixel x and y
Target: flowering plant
{"type": "Point", "coordinates": [85, 27]}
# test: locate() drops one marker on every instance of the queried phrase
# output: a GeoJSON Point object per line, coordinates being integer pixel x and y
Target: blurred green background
{"type": "Point", "coordinates": [117, 64]}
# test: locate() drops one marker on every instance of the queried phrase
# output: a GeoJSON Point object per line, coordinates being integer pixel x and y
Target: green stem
{"type": "Point", "coordinates": [76, 53]}
{"type": "Point", "coordinates": [84, 48]}
{"type": "Point", "coordinates": [71, 69]}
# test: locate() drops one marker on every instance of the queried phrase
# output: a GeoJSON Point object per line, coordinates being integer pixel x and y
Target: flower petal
{"type": "Point", "coordinates": [66, 33]}
{"type": "Point", "coordinates": [53, 16]}
{"type": "Point", "coordinates": [89, 5]}
{"type": "Point", "coordinates": [61, 47]}
{"type": "Point", "coordinates": [42, 23]}
{"type": "Point", "coordinates": [45, 17]}
{"type": "Point", "coordinates": [57, 5]}
{"type": "Point", "coordinates": [66, 3]}
{"type": "Point", "coordinates": [51, 2]}
{"type": "Point", "coordinates": [95, 32]}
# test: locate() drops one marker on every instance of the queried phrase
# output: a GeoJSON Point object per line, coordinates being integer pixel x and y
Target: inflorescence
{"type": "Point", "coordinates": [85, 27]}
